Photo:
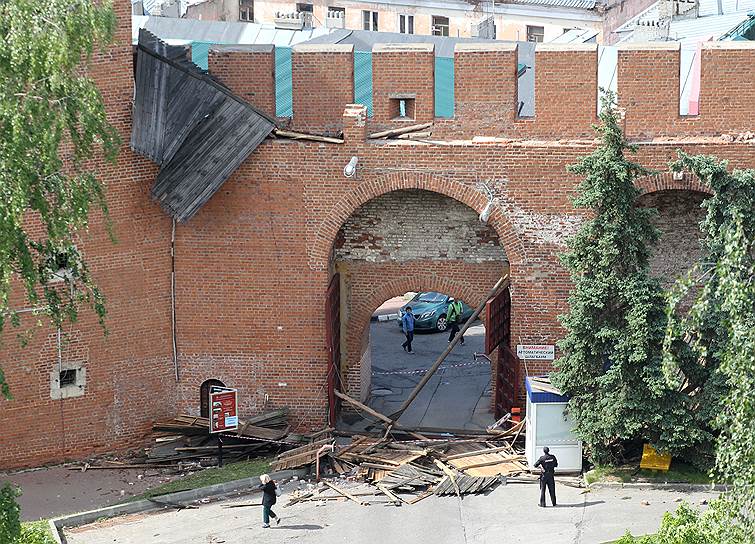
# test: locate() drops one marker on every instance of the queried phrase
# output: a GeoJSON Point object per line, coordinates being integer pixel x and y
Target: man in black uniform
{"type": "Point", "coordinates": [547, 464]}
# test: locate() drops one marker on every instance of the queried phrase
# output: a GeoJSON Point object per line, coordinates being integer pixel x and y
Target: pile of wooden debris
{"type": "Point", "coordinates": [409, 470]}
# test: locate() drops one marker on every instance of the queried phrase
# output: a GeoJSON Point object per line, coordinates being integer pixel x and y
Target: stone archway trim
{"type": "Point", "coordinates": [340, 212]}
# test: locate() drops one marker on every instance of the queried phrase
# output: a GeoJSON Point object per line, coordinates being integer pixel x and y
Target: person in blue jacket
{"type": "Point", "coordinates": [407, 324]}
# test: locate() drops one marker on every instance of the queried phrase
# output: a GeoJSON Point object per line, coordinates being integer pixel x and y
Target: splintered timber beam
{"type": "Point", "coordinates": [375, 414]}
{"type": "Point", "coordinates": [433, 369]}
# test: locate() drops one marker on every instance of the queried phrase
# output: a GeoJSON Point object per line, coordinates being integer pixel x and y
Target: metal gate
{"type": "Point", "coordinates": [498, 335]}
{"type": "Point", "coordinates": [333, 341]}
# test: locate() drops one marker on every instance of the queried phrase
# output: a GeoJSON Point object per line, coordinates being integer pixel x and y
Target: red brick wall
{"type": "Point", "coordinates": [253, 265]}
{"type": "Point", "coordinates": [323, 82]}
{"type": "Point", "coordinates": [648, 88]}
{"type": "Point", "coordinates": [403, 70]}
{"type": "Point", "coordinates": [248, 70]}
{"type": "Point", "coordinates": [130, 376]}
{"type": "Point", "coordinates": [571, 74]}
{"type": "Point", "coordinates": [485, 89]}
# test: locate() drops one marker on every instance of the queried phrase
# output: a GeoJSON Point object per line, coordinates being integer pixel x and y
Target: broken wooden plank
{"type": "Point", "coordinates": [396, 131]}
{"type": "Point", "coordinates": [305, 136]}
{"type": "Point", "coordinates": [477, 452]}
{"type": "Point", "coordinates": [388, 494]}
{"type": "Point", "coordinates": [345, 494]}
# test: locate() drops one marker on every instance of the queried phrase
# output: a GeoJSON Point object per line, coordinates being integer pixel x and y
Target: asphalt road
{"type": "Point", "coordinates": [507, 514]}
{"type": "Point", "coordinates": [458, 395]}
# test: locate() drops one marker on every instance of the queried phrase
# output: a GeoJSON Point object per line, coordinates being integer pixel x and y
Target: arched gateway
{"type": "Point", "coordinates": [406, 232]}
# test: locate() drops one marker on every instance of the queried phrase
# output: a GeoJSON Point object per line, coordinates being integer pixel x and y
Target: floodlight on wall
{"type": "Point", "coordinates": [350, 169]}
{"type": "Point", "coordinates": [677, 175]}
{"type": "Point", "coordinates": [485, 215]}
{"type": "Point", "coordinates": [488, 209]}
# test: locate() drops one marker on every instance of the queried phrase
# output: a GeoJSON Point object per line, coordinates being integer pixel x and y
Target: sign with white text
{"type": "Point", "coordinates": [223, 410]}
{"type": "Point", "coordinates": [536, 352]}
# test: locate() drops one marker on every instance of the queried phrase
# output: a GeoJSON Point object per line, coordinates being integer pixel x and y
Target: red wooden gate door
{"type": "Point", "coordinates": [498, 335]}
{"type": "Point", "coordinates": [333, 341]}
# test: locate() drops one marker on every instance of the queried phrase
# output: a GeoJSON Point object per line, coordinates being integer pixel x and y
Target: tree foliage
{"type": "Point", "coordinates": [52, 121]}
{"type": "Point", "coordinates": [10, 514]}
{"type": "Point", "coordinates": [612, 362]}
{"type": "Point", "coordinates": [691, 526]}
{"type": "Point", "coordinates": [717, 333]}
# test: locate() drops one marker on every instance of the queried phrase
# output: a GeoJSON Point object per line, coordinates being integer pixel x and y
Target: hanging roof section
{"type": "Point", "coordinates": [196, 129]}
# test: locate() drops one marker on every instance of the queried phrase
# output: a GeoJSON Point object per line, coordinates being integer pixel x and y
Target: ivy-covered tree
{"type": "Point", "coordinates": [716, 334]}
{"type": "Point", "coordinates": [612, 352]}
{"type": "Point", "coordinates": [52, 121]}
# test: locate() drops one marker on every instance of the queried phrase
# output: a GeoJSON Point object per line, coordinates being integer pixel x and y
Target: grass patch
{"type": "Point", "coordinates": [36, 532]}
{"type": "Point", "coordinates": [210, 476]}
{"type": "Point", "coordinates": [679, 473]}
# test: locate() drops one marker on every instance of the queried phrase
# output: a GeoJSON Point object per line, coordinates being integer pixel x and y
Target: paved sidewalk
{"type": "Point", "coordinates": [508, 514]}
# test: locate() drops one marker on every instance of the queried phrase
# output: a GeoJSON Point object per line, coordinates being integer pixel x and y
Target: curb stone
{"type": "Point", "coordinates": [653, 485]}
{"type": "Point", "coordinates": [57, 525]}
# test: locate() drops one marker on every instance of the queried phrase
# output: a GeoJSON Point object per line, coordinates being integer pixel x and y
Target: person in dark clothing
{"type": "Point", "coordinates": [547, 464]}
{"type": "Point", "coordinates": [269, 498]}
{"type": "Point", "coordinates": [453, 318]}
{"type": "Point", "coordinates": [407, 325]}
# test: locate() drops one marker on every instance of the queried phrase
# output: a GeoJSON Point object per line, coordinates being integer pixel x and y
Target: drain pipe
{"type": "Point", "coordinates": [330, 447]}
{"type": "Point", "coordinates": [173, 296]}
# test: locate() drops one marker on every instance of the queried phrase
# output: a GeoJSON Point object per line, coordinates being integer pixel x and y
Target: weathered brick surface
{"type": "Point", "coordinates": [678, 219]}
{"type": "Point", "coordinates": [407, 225]}
{"type": "Point", "coordinates": [253, 265]}
{"type": "Point", "coordinates": [248, 70]}
{"type": "Point", "coordinates": [402, 70]}
{"type": "Point", "coordinates": [323, 82]}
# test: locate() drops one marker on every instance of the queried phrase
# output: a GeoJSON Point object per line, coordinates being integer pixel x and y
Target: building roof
{"type": "Point", "coordinates": [191, 125]}
{"type": "Point", "coordinates": [574, 4]}
{"type": "Point", "coordinates": [709, 25]}
{"type": "Point", "coordinates": [174, 31]}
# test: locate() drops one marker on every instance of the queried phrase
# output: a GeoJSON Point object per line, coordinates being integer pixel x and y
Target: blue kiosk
{"type": "Point", "coordinates": [549, 425]}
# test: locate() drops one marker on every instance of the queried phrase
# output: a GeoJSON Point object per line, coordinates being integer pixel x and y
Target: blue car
{"type": "Point", "coordinates": [430, 310]}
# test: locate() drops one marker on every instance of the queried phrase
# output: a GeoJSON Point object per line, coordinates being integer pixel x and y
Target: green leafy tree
{"type": "Point", "coordinates": [10, 514]}
{"type": "Point", "coordinates": [716, 334]}
{"type": "Point", "coordinates": [612, 362]}
{"type": "Point", "coordinates": [52, 121]}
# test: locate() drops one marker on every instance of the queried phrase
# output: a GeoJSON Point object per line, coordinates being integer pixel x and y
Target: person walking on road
{"type": "Point", "coordinates": [453, 318]}
{"type": "Point", "coordinates": [407, 325]}
{"type": "Point", "coordinates": [547, 464]}
{"type": "Point", "coordinates": [269, 498]}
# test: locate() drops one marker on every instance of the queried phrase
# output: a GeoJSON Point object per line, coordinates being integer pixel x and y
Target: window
{"type": "Point", "coordinates": [338, 13]}
{"type": "Point", "coordinates": [406, 24]}
{"type": "Point", "coordinates": [67, 377]}
{"type": "Point", "coordinates": [535, 33]}
{"type": "Point", "coordinates": [304, 7]}
{"type": "Point", "coordinates": [246, 10]}
{"type": "Point", "coordinates": [67, 382]}
{"type": "Point", "coordinates": [402, 107]}
{"type": "Point", "coordinates": [370, 20]}
{"type": "Point", "coordinates": [440, 26]}
{"type": "Point", "coordinates": [204, 396]}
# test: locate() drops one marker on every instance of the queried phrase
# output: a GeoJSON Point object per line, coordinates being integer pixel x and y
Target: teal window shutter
{"type": "Point", "coordinates": [363, 79]}
{"type": "Point", "coordinates": [284, 90]}
{"type": "Point", "coordinates": [444, 87]}
{"type": "Point", "coordinates": [199, 53]}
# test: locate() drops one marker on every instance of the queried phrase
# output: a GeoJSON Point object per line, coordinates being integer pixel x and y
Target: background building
{"type": "Point", "coordinates": [520, 20]}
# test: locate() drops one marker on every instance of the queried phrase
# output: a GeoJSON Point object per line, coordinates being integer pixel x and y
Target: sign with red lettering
{"type": "Point", "coordinates": [223, 409]}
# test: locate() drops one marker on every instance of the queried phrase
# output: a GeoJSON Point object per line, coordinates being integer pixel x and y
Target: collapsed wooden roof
{"type": "Point", "coordinates": [190, 124]}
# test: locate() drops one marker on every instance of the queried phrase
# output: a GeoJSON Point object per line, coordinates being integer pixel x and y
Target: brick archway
{"type": "Point", "coordinates": [368, 289]}
{"type": "Point", "coordinates": [326, 233]}
{"type": "Point", "coordinates": [665, 182]}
